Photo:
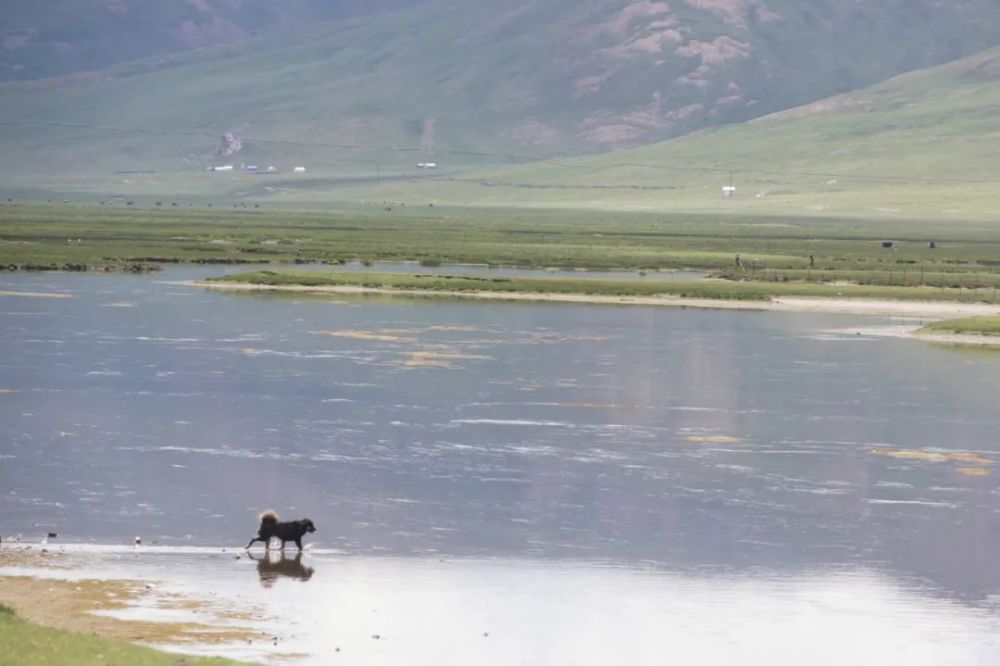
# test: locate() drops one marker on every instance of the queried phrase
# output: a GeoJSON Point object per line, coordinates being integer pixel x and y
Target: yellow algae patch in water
{"type": "Point", "coordinates": [120, 304]}
{"type": "Point", "coordinates": [35, 294]}
{"type": "Point", "coordinates": [369, 335]}
{"type": "Point", "coordinates": [436, 359]}
{"type": "Point", "coordinates": [714, 439]}
{"type": "Point", "coordinates": [934, 456]}
{"type": "Point", "coordinates": [973, 471]}
{"type": "Point", "coordinates": [3, 390]}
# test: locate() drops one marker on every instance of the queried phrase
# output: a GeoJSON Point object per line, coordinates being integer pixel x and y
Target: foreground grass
{"type": "Point", "coordinates": [709, 289]}
{"type": "Point", "coordinates": [25, 644]}
{"type": "Point", "coordinates": [968, 326]}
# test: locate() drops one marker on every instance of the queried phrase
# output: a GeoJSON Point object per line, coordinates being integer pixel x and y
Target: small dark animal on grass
{"type": "Point", "coordinates": [272, 528]}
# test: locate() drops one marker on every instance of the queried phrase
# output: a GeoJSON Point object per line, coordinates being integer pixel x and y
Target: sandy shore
{"type": "Point", "coordinates": [913, 332]}
{"type": "Point", "coordinates": [959, 339]}
{"type": "Point", "coordinates": [34, 294]}
{"type": "Point", "coordinates": [925, 309]}
{"type": "Point", "coordinates": [61, 588]}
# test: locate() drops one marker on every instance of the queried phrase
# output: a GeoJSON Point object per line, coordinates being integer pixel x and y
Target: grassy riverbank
{"type": "Point", "coordinates": [772, 249]}
{"type": "Point", "coordinates": [986, 326]}
{"type": "Point", "coordinates": [26, 644]}
{"type": "Point", "coordinates": [700, 289]}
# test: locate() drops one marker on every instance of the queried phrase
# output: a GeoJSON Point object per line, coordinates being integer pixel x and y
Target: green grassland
{"type": "Point", "coordinates": [969, 325]}
{"type": "Point", "coordinates": [25, 644]}
{"type": "Point", "coordinates": [774, 252]}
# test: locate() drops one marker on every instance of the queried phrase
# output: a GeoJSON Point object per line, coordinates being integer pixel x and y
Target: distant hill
{"type": "Point", "coordinates": [921, 144]}
{"type": "Point", "coordinates": [54, 37]}
{"type": "Point", "coordinates": [446, 82]}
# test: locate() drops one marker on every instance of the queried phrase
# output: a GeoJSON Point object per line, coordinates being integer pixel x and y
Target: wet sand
{"type": "Point", "coordinates": [73, 590]}
{"type": "Point", "coordinates": [929, 309]}
{"type": "Point", "coordinates": [913, 332]}
{"type": "Point", "coordinates": [958, 339]}
{"type": "Point", "coordinates": [34, 294]}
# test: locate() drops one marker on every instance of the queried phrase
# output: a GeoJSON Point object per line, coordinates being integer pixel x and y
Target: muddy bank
{"type": "Point", "coordinates": [959, 339]}
{"type": "Point", "coordinates": [913, 332]}
{"type": "Point", "coordinates": [64, 590]}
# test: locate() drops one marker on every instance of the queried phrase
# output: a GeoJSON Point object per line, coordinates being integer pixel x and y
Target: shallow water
{"type": "Point", "coordinates": [366, 609]}
{"type": "Point", "coordinates": [695, 482]}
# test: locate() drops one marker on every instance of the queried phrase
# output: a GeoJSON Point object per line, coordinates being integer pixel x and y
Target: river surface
{"type": "Point", "coordinates": [582, 484]}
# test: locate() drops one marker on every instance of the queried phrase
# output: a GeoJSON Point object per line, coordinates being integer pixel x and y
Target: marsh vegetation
{"type": "Point", "coordinates": [966, 326]}
{"type": "Point", "coordinates": [709, 289]}
{"type": "Point", "coordinates": [792, 255]}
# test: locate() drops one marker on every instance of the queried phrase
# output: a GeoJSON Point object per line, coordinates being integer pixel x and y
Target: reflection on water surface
{"type": "Point", "coordinates": [740, 463]}
{"type": "Point", "coordinates": [322, 606]}
{"type": "Point", "coordinates": [273, 565]}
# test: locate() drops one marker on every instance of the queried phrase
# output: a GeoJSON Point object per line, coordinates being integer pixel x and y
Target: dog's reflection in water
{"type": "Point", "coordinates": [274, 565]}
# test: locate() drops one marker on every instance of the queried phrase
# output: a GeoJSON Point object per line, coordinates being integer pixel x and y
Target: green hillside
{"type": "Point", "coordinates": [57, 37]}
{"type": "Point", "coordinates": [463, 84]}
{"type": "Point", "coordinates": [921, 144]}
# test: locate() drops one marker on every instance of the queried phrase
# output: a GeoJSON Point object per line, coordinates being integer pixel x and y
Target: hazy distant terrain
{"type": "Point", "coordinates": [55, 37]}
{"type": "Point", "coordinates": [527, 77]}
{"type": "Point", "coordinates": [921, 144]}
{"type": "Point", "coordinates": [526, 102]}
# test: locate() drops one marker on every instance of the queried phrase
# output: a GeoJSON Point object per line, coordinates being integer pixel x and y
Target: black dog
{"type": "Point", "coordinates": [271, 528]}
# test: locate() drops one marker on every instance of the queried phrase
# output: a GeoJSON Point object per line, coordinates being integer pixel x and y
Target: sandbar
{"type": "Point", "coordinates": [926, 309]}
{"type": "Point", "coordinates": [34, 294]}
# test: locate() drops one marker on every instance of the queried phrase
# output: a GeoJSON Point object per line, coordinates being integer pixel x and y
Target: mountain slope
{"type": "Point", "coordinates": [56, 37]}
{"type": "Point", "coordinates": [530, 77]}
{"type": "Point", "coordinates": [921, 144]}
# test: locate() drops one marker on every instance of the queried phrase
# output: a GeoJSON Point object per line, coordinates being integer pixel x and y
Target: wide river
{"type": "Point", "coordinates": [519, 483]}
